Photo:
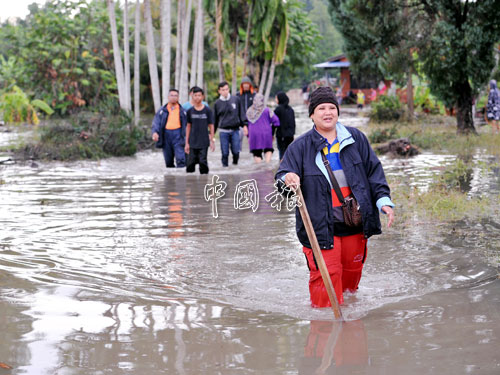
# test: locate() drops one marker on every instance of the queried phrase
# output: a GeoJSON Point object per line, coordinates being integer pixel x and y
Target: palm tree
{"type": "Point", "coordinates": [153, 67]}
{"type": "Point", "coordinates": [247, 37]}
{"type": "Point", "coordinates": [283, 30]}
{"type": "Point", "coordinates": [126, 57]}
{"type": "Point", "coordinates": [271, 37]}
{"type": "Point", "coordinates": [183, 85]}
{"type": "Point", "coordinates": [166, 30]}
{"type": "Point", "coordinates": [178, 53]}
{"type": "Point", "coordinates": [194, 51]}
{"type": "Point", "coordinates": [120, 79]}
{"type": "Point", "coordinates": [137, 45]}
{"type": "Point", "coordinates": [201, 41]}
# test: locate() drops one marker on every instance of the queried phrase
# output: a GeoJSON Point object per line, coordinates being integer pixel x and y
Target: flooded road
{"type": "Point", "coordinates": [119, 267]}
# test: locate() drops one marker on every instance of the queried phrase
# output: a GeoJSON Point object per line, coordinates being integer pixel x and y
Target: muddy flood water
{"type": "Point", "coordinates": [119, 267]}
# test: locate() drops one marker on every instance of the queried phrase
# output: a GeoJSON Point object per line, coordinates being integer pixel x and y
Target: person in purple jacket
{"type": "Point", "coordinates": [261, 123]}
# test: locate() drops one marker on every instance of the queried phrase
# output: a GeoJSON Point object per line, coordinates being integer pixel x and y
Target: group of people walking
{"type": "Point", "coordinates": [331, 163]}
{"type": "Point", "coordinates": [186, 132]}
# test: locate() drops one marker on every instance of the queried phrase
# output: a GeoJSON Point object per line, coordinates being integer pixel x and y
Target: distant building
{"type": "Point", "coordinates": [349, 83]}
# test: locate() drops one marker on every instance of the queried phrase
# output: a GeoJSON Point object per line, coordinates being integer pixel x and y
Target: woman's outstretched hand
{"type": "Point", "coordinates": [390, 215]}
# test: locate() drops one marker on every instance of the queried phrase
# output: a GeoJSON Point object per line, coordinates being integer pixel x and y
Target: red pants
{"type": "Point", "coordinates": [344, 262]}
{"type": "Point", "coordinates": [349, 348]}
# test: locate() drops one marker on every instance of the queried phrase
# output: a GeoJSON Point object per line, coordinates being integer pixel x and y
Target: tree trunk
{"type": "Point", "coordinates": [218, 33]}
{"type": "Point", "coordinates": [201, 44]}
{"type": "Point", "coordinates": [166, 44]}
{"type": "Point", "coordinates": [178, 50]}
{"type": "Point", "coordinates": [183, 85]}
{"type": "Point", "coordinates": [235, 72]}
{"type": "Point", "coordinates": [194, 52]}
{"type": "Point", "coordinates": [153, 67]}
{"type": "Point", "coordinates": [256, 69]}
{"type": "Point", "coordinates": [120, 80]}
{"type": "Point", "coordinates": [270, 79]}
{"type": "Point", "coordinates": [409, 94]}
{"type": "Point", "coordinates": [263, 77]}
{"type": "Point", "coordinates": [247, 39]}
{"type": "Point", "coordinates": [126, 58]}
{"type": "Point", "coordinates": [465, 121]}
{"type": "Point", "coordinates": [137, 53]}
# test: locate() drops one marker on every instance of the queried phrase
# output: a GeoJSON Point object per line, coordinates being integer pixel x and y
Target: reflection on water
{"type": "Point", "coordinates": [335, 347]}
{"type": "Point", "coordinates": [119, 267]}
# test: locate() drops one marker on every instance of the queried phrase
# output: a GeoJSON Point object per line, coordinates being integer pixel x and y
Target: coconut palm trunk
{"type": "Point", "coordinates": [247, 39]}
{"type": "Point", "coordinates": [194, 52]}
{"type": "Point", "coordinates": [178, 49]}
{"type": "Point", "coordinates": [126, 57]}
{"type": "Point", "coordinates": [235, 72]}
{"type": "Point", "coordinates": [120, 80]}
{"type": "Point", "coordinates": [153, 67]}
{"type": "Point", "coordinates": [166, 44]}
{"type": "Point", "coordinates": [263, 77]}
{"type": "Point", "coordinates": [271, 78]}
{"type": "Point", "coordinates": [137, 77]}
{"type": "Point", "coordinates": [218, 21]}
{"type": "Point", "coordinates": [201, 44]}
{"type": "Point", "coordinates": [183, 85]}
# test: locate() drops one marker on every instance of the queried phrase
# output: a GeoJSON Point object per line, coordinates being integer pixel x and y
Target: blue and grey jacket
{"type": "Point", "coordinates": [160, 121]}
{"type": "Point", "coordinates": [363, 172]}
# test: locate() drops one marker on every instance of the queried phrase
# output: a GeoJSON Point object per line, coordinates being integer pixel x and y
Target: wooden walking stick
{"type": "Point", "coordinates": [317, 254]}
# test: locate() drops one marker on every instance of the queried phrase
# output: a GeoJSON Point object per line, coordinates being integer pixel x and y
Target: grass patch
{"type": "Point", "coordinates": [440, 205]}
{"type": "Point", "coordinates": [87, 136]}
{"type": "Point", "coordinates": [437, 134]}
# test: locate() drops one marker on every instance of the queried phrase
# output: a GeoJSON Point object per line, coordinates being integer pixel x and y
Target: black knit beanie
{"type": "Point", "coordinates": [321, 95]}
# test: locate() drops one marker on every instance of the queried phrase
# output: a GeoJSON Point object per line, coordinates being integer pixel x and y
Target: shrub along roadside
{"type": "Point", "coordinates": [440, 205]}
{"type": "Point", "coordinates": [88, 136]}
{"type": "Point", "coordinates": [436, 133]}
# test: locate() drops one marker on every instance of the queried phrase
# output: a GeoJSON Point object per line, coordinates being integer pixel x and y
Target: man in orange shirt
{"type": "Point", "coordinates": [169, 131]}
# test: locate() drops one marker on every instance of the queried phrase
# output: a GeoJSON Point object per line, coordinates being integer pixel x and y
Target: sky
{"type": "Point", "coordinates": [16, 8]}
{"type": "Point", "coordinates": [19, 8]}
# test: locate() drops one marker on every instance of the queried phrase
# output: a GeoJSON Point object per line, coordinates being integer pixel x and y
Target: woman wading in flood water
{"type": "Point", "coordinates": [328, 160]}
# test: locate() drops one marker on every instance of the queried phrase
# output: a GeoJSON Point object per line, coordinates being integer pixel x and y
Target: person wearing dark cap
{"type": "Point", "coordinates": [245, 95]}
{"type": "Point", "coordinates": [286, 131]}
{"type": "Point", "coordinates": [333, 163]}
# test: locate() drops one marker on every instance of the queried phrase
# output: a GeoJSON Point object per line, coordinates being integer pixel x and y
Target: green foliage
{"type": "Point", "coordinates": [301, 49]}
{"type": "Point", "coordinates": [424, 101]}
{"type": "Point", "coordinates": [16, 107]}
{"type": "Point", "coordinates": [64, 54]}
{"type": "Point", "coordinates": [387, 108]}
{"type": "Point", "coordinates": [380, 135]}
{"type": "Point", "coordinates": [456, 176]}
{"type": "Point", "coordinates": [369, 28]}
{"type": "Point", "coordinates": [91, 136]}
{"type": "Point", "coordinates": [459, 56]}
{"type": "Point", "coordinates": [11, 71]}
{"type": "Point", "coordinates": [454, 39]}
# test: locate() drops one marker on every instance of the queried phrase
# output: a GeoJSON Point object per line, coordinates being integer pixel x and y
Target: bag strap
{"type": "Point", "coordinates": [335, 184]}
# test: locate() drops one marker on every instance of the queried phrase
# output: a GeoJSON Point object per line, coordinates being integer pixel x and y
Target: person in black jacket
{"type": "Point", "coordinates": [359, 174]}
{"type": "Point", "coordinates": [245, 95]}
{"type": "Point", "coordinates": [229, 119]}
{"type": "Point", "coordinates": [286, 131]}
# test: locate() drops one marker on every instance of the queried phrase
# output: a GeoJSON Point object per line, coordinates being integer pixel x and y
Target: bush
{"type": "Point", "coordinates": [387, 108]}
{"type": "Point", "coordinates": [90, 136]}
{"type": "Point", "coordinates": [381, 135]}
{"type": "Point", "coordinates": [16, 107]}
